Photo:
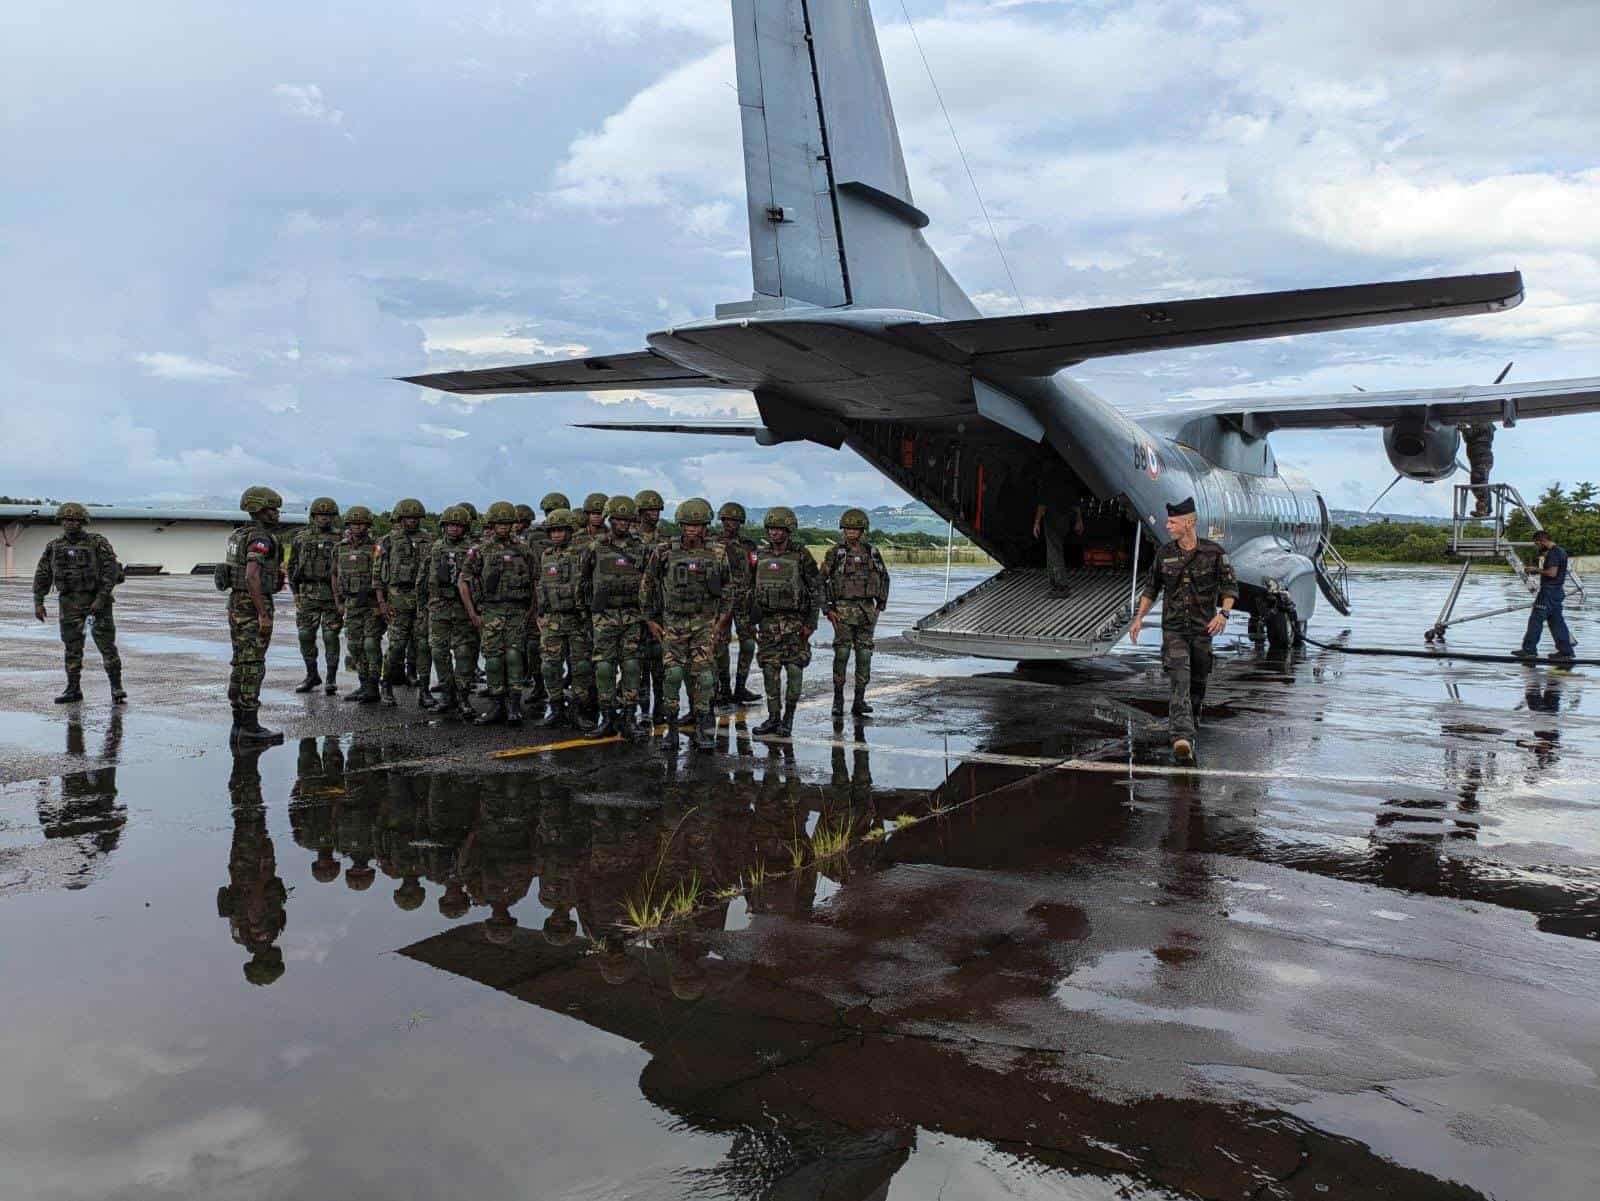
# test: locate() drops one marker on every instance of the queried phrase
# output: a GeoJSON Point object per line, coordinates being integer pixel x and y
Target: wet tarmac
{"type": "Point", "coordinates": [988, 944]}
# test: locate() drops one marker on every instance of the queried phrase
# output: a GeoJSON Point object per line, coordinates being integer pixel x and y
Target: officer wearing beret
{"type": "Point", "coordinates": [1201, 589]}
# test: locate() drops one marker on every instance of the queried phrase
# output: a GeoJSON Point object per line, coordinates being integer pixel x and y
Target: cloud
{"type": "Point", "coordinates": [305, 100]}
{"type": "Point", "coordinates": [440, 431]}
{"type": "Point", "coordinates": [163, 365]}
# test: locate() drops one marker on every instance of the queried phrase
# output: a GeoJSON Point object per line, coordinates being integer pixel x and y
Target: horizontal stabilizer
{"type": "Point", "coordinates": [643, 369]}
{"type": "Point", "coordinates": [1450, 406]}
{"type": "Point", "coordinates": [1044, 343]}
{"type": "Point", "coordinates": [674, 427]}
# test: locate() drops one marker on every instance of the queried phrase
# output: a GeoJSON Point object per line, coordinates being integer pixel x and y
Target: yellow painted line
{"type": "Point", "coordinates": [517, 752]}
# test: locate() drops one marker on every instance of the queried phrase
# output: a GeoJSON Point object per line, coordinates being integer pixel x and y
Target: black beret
{"type": "Point", "coordinates": [1182, 509]}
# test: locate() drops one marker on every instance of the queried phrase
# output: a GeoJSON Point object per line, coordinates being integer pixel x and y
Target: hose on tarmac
{"type": "Point", "coordinates": [1468, 656]}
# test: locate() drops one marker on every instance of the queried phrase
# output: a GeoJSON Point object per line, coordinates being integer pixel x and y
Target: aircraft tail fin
{"type": "Point", "coordinates": [832, 221]}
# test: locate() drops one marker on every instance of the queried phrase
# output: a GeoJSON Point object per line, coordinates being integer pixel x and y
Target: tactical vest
{"type": "Point", "coordinates": [617, 572]}
{"type": "Point", "coordinates": [777, 585]}
{"type": "Point", "coordinates": [76, 566]}
{"type": "Point", "coordinates": [238, 558]}
{"type": "Point", "coordinates": [507, 574]}
{"type": "Point", "coordinates": [313, 560]}
{"type": "Point", "coordinates": [693, 578]}
{"type": "Point", "coordinates": [447, 558]}
{"type": "Point", "coordinates": [856, 575]}
{"type": "Point", "coordinates": [403, 554]}
{"type": "Point", "coordinates": [558, 580]}
{"type": "Point", "coordinates": [355, 570]}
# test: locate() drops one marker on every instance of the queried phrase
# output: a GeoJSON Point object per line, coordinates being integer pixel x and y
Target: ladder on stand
{"type": "Point", "coordinates": [1472, 546]}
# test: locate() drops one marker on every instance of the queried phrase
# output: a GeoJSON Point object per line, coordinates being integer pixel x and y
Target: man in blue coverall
{"type": "Point", "coordinates": [1548, 604]}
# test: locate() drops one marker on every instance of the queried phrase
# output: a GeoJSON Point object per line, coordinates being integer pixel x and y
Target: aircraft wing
{"type": "Point", "coordinates": [1450, 406]}
{"type": "Point", "coordinates": [675, 427]}
{"type": "Point", "coordinates": [643, 369]}
{"type": "Point", "coordinates": [1044, 343]}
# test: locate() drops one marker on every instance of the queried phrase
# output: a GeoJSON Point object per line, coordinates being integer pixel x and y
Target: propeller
{"type": "Point", "coordinates": [1460, 466]}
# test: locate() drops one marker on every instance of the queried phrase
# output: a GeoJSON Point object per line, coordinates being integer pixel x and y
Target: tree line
{"type": "Point", "coordinates": [1572, 517]}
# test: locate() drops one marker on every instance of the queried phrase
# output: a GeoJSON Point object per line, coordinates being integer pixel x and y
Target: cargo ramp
{"type": "Point", "coordinates": [1015, 615]}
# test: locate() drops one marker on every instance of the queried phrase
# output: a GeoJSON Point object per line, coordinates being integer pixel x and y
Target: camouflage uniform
{"type": "Point", "coordinates": [261, 544]}
{"type": "Point", "coordinates": [731, 683]}
{"type": "Point", "coordinates": [613, 566]}
{"type": "Point", "coordinates": [83, 570]}
{"type": "Point", "coordinates": [857, 589]}
{"type": "Point", "coordinates": [254, 898]}
{"type": "Point", "coordinates": [447, 618]}
{"type": "Point", "coordinates": [403, 584]}
{"type": "Point", "coordinates": [594, 505]}
{"type": "Point", "coordinates": [564, 626]}
{"type": "Point", "coordinates": [499, 575]}
{"type": "Point", "coordinates": [1195, 583]}
{"type": "Point", "coordinates": [355, 576]}
{"type": "Point", "coordinates": [1479, 439]}
{"type": "Point", "coordinates": [650, 669]}
{"type": "Point", "coordinates": [536, 539]}
{"type": "Point", "coordinates": [310, 573]}
{"type": "Point", "coordinates": [787, 593]}
{"type": "Point", "coordinates": [684, 591]}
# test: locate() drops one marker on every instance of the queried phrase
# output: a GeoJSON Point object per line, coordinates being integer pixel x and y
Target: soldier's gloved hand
{"type": "Point", "coordinates": [38, 612]}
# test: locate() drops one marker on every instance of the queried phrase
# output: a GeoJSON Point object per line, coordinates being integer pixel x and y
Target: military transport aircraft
{"type": "Point", "coordinates": [858, 336]}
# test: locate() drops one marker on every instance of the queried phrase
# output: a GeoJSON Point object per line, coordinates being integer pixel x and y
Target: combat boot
{"type": "Point", "coordinates": [514, 707]}
{"type": "Point", "coordinates": [669, 740]}
{"type": "Point", "coordinates": [773, 723]}
{"type": "Point", "coordinates": [722, 701]}
{"type": "Point", "coordinates": [861, 708]}
{"type": "Point", "coordinates": [369, 690]}
{"type": "Point", "coordinates": [464, 709]}
{"type": "Point", "coordinates": [838, 698]}
{"type": "Point", "coordinates": [312, 677]}
{"type": "Point", "coordinates": [536, 696]}
{"type": "Point", "coordinates": [425, 699]}
{"type": "Point", "coordinates": [250, 732]}
{"type": "Point", "coordinates": [357, 693]}
{"type": "Point", "coordinates": [604, 724]}
{"type": "Point", "coordinates": [626, 726]}
{"type": "Point", "coordinates": [496, 714]}
{"type": "Point", "coordinates": [386, 694]}
{"type": "Point", "coordinates": [786, 727]}
{"type": "Point", "coordinates": [332, 686]}
{"type": "Point", "coordinates": [555, 714]}
{"type": "Point", "coordinates": [119, 695]}
{"type": "Point", "coordinates": [73, 692]}
{"type": "Point", "coordinates": [705, 732]}
{"type": "Point", "coordinates": [742, 694]}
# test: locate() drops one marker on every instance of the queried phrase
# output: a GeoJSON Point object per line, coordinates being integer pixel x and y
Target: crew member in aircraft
{"type": "Point", "coordinates": [1058, 512]}
{"type": "Point", "coordinates": [1201, 590]}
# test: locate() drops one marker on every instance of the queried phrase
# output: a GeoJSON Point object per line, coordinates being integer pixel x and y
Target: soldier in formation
{"type": "Point", "coordinates": [741, 556]}
{"type": "Point", "coordinates": [536, 539]}
{"type": "Point", "coordinates": [402, 582]}
{"type": "Point", "coordinates": [252, 574]}
{"type": "Point", "coordinates": [564, 624]}
{"type": "Point", "coordinates": [83, 569]}
{"type": "Point", "coordinates": [310, 573]}
{"type": "Point", "coordinates": [610, 573]}
{"type": "Point", "coordinates": [786, 594]}
{"type": "Point", "coordinates": [1201, 590]}
{"type": "Point", "coordinates": [497, 593]}
{"type": "Point", "coordinates": [355, 591]}
{"type": "Point", "coordinates": [856, 590]}
{"type": "Point", "coordinates": [448, 626]}
{"type": "Point", "coordinates": [649, 504]}
{"type": "Point", "coordinates": [687, 605]}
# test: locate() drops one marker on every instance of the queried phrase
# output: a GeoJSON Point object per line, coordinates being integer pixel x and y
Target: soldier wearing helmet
{"type": "Point", "coordinates": [498, 580]}
{"type": "Point", "coordinates": [83, 569]}
{"type": "Point", "coordinates": [537, 539]}
{"type": "Point", "coordinates": [310, 574]}
{"type": "Point", "coordinates": [254, 898]}
{"type": "Point", "coordinates": [447, 616]}
{"type": "Point", "coordinates": [403, 601]}
{"type": "Point", "coordinates": [786, 594]}
{"type": "Point", "coordinates": [474, 638]}
{"type": "Point", "coordinates": [856, 590]}
{"type": "Point", "coordinates": [593, 521]}
{"type": "Point", "coordinates": [649, 504]}
{"type": "Point", "coordinates": [564, 626]}
{"type": "Point", "coordinates": [252, 573]}
{"type": "Point", "coordinates": [688, 605]}
{"type": "Point", "coordinates": [355, 591]}
{"type": "Point", "coordinates": [612, 568]}
{"type": "Point", "coordinates": [741, 554]}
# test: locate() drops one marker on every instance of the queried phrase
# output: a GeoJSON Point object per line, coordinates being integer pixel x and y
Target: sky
{"type": "Point", "coordinates": [228, 225]}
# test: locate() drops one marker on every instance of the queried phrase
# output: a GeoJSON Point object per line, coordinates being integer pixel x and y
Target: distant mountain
{"type": "Point", "coordinates": [912, 517]}
{"type": "Point", "coordinates": [1355, 517]}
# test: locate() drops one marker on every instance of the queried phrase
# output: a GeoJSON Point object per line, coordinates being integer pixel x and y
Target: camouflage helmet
{"type": "Point", "coordinates": [410, 895]}
{"type": "Point", "coordinates": [853, 519]}
{"type": "Point", "coordinates": [455, 515]}
{"type": "Point", "coordinates": [623, 507]}
{"type": "Point", "coordinates": [454, 904]}
{"type": "Point", "coordinates": [358, 515]}
{"type": "Point", "coordinates": [409, 507]}
{"type": "Point", "coordinates": [781, 518]}
{"type": "Point", "coordinates": [559, 519]}
{"type": "Point", "coordinates": [559, 928]}
{"type": "Point", "coordinates": [472, 510]}
{"type": "Point", "coordinates": [553, 501]}
{"type": "Point", "coordinates": [524, 512]}
{"type": "Point", "coordinates": [694, 511]}
{"type": "Point", "coordinates": [358, 877]}
{"type": "Point", "coordinates": [732, 511]}
{"type": "Point", "coordinates": [499, 928]}
{"type": "Point", "coordinates": [501, 511]}
{"type": "Point", "coordinates": [650, 499]}
{"type": "Point", "coordinates": [324, 506]}
{"type": "Point", "coordinates": [72, 511]}
{"type": "Point", "coordinates": [325, 869]}
{"type": "Point", "coordinates": [266, 968]}
{"type": "Point", "coordinates": [260, 497]}
{"type": "Point", "coordinates": [595, 502]}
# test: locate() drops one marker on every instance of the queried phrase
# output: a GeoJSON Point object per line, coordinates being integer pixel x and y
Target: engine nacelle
{"type": "Point", "coordinates": [1422, 449]}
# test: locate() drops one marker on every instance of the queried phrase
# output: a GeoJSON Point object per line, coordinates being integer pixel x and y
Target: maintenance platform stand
{"type": "Point", "coordinates": [1471, 545]}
